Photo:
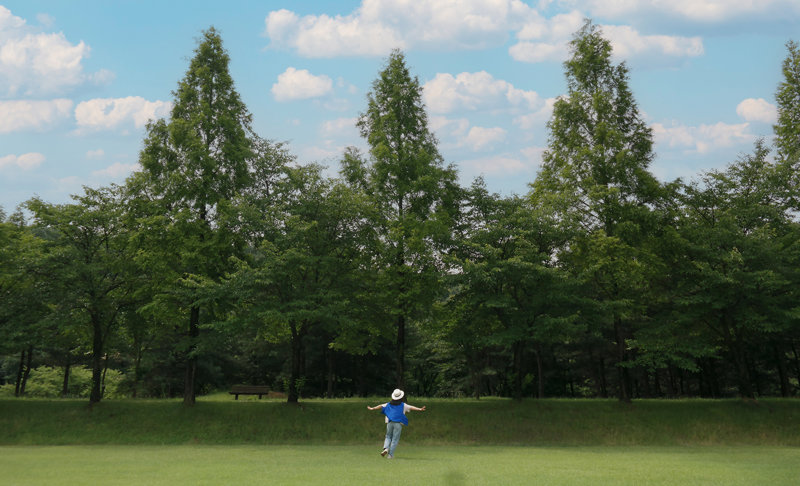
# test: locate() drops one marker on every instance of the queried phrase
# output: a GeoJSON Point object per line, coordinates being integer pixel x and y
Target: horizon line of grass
{"type": "Point", "coordinates": [547, 422]}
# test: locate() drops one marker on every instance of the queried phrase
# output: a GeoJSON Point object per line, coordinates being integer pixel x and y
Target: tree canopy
{"type": "Point", "coordinates": [226, 260]}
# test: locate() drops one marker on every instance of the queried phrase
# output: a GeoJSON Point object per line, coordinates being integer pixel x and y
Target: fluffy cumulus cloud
{"type": "Point", "coordinates": [459, 133]}
{"type": "Point", "coordinates": [446, 93]}
{"type": "Point", "coordinates": [757, 110]}
{"type": "Point", "coordinates": [34, 63]}
{"type": "Point", "coordinates": [24, 115]}
{"type": "Point", "coordinates": [546, 39]}
{"type": "Point", "coordinates": [499, 165]}
{"type": "Point", "coordinates": [481, 138]}
{"type": "Point", "coordinates": [112, 113]}
{"type": "Point", "coordinates": [703, 138]}
{"type": "Point", "coordinates": [115, 171]}
{"type": "Point", "coordinates": [629, 43]}
{"type": "Point", "coordinates": [537, 118]}
{"type": "Point", "coordinates": [705, 11]}
{"type": "Point", "coordinates": [481, 93]}
{"type": "Point", "coordinates": [339, 127]}
{"type": "Point", "coordinates": [25, 161]}
{"type": "Point", "coordinates": [377, 26]}
{"type": "Point", "coordinates": [299, 84]}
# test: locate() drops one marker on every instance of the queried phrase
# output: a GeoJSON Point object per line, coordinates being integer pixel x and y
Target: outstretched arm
{"type": "Point", "coordinates": [378, 407]}
{"type": "Point", "coordinates": [416, 409]}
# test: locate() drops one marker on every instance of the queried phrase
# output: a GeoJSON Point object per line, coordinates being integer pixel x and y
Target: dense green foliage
{"type": "Point", "coordinates": [225, 261]}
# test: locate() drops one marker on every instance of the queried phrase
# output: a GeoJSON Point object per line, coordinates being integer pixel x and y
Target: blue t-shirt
{"type": "Point", "coordinates": [395, 413]}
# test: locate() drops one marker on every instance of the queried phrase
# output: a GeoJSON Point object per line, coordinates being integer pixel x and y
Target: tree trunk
{"type": "Point", "coordinates": [646, 382]}
{"type": "Point", "coordinates": [539, 372]}
{"type": "Point", "coordinates": [189, 393]}
{"type": "Point", "coordinates": [796, 362]}
{"type": "Point", "coordinates": [783, 374]}
{"type": "Point", "coordinates": [736, 351]}
{"type": "Point", "coordinates": [742, 372]}
{"type": "Point", "coordinates": [20, 370]}
{"type": "Point", "coordinates": [673, 388]}
{"type": "Point", "coordinates": [401, 352]}
{"type": "Point", "coordinates": [716, 392]}
{"type": "Point", "coordinates": [657, 383]}
{"type": "Point", "coordinates": [103, 380]}
{"type": "Point", "coordinates": [517, 350]}
{"type": "Point", "coordinates": [294, 375]}
{"type": "Point", "coordinates": [65, 385]}
{"type": "Point", "coordinates": [137, 366]}
{"type": "Point", "coordinates": [27, 372]}
{"type": "Point", "coordinates": [97, 352]}
{"type": "Point", "coordinates": [602, 373]}
{"type": "Point", "coordinates": [742, 375]}
{"type": "Point", "coordinates": [331, 372]}
{"type": "Point", "coordinates": [624, 375]}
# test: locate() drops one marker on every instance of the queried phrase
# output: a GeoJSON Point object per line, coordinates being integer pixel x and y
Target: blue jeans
{"type": "Point", "coordinates": [393, 431]}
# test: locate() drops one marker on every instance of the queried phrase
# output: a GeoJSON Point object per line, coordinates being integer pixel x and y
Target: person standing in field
{"type": "Point", "coordinates": [395, 412]}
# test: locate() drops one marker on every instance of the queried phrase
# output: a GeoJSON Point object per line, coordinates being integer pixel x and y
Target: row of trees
{"type": "Point", "coordinates": [224, 260]}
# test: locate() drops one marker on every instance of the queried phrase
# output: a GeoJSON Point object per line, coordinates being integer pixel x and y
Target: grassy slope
{"type": "Point", "coordinates": [769, 422]}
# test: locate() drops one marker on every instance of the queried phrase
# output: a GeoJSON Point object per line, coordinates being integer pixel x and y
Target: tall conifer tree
{"type": "Point", "coordinates": [413, 191]}
{"type": "Point", "coordinates": [595, 174]}
{"type": "Point", "coordinates": [195, 163]}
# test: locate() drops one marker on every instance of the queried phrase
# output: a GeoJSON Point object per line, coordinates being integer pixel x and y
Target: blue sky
{"type": "Point", "coordinates": [79, 80]}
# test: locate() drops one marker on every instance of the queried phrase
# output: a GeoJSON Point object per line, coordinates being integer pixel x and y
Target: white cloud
{"type": "Point", "coordinates": [446, 93]}
{"type": "Point", "coordinates": [499, 165]}
{"type": "Point", "coordinates": [449, 128]}
{"type": "Point", "coordinates": [32, 115]}
{"type": "Point", "coordinates": [95, 154]}
{"type": "Point", "coordinates": [757, 110]}
{"type": "Point", "coordinates": [704, 138]}
{"type": "Point", "coordinates": [323, 36]}
{"type": "Point", "coordinates": [533, 155]}
{"type": "Point", "coordinates": [110, 113]}
{"type": "Point", "coordinates": [25, 161]}
{"type": "Point", "coordinates": [45, 19]}
{"type": "Point", "coordinates": [377, 26]}
{"type": "Point", "coordinates": [537, 118]}
{"type": "Point", "coordinates": [479, 138]}
{"type": "Point", "coordinates": [706, 11]}
{"type": "Point", "coordinates": [294, 84]}
{"type": "Point", "coordinates": [458, 133]}
{"type": "Point", "coordinates": [328, 153]}
{"type": "Point", "coordinates": [339, 126]}
{"type": "Point", "coordinates": [543, 39]}
{"type": "Point", "coordinates": [337, 104]}
{"type": "Point", "coordinates": [115, 171]}
{"type": "Point", "coordinates": [629, 43]}
{"type": "Point", "coordinates": [35, 63]}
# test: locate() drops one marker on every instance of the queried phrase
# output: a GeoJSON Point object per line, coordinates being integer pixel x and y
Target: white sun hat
{"type": "Point", "coordinates": [397, 394]}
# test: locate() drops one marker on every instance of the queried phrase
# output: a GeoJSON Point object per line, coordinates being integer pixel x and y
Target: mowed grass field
{"type": "Point", "coordinates": [492, 441]}
{"type": "Point", "coordinates": [414, 465]}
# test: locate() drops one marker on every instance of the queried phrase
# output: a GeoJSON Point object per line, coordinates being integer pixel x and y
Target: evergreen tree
{"type": "Point", "coordinates": [595, 175]}
{"type": "Point", "coordinates": [414, 194]}
{"type": "Point", "coordinates": [194, 164]}
{"type": "Point", "coordinates": [787, 130]}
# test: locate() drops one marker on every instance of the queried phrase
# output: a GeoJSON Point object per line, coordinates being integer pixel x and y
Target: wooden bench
{"type": "Point", "coordinates": [248, 390]}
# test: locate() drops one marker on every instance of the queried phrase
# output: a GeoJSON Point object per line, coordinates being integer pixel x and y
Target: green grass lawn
{"type": "Point", "coordinates": [426, 465]}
